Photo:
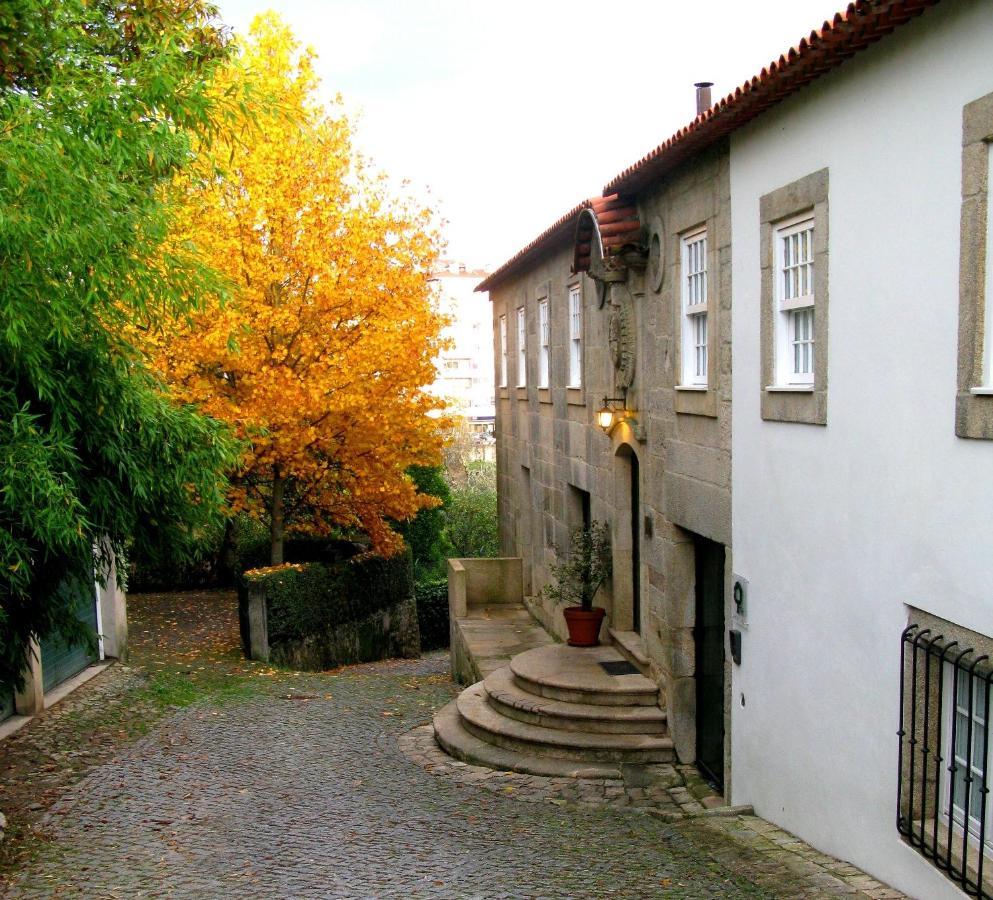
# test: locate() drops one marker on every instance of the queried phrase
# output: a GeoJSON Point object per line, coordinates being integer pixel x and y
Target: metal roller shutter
{"type": "Point", "coordinates": [60, 661]}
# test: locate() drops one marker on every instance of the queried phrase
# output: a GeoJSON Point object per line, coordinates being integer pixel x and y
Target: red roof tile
{"type": "Point", "coordinates": [863, 23]}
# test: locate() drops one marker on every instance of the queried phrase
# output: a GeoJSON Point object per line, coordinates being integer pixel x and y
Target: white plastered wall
{"type": "Point", "coordinates": [836, 528]}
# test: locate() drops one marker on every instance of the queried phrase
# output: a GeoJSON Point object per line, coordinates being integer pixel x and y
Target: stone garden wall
{"type": "Point", "coordinates": [316, 616]}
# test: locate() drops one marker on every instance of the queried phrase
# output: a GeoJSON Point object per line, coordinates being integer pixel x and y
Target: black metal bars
{"type": "Point", "coordinates": [942, 789]}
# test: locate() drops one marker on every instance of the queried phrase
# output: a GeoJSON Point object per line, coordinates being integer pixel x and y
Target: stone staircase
{"type": "Point", "coordinates": [559, 711]}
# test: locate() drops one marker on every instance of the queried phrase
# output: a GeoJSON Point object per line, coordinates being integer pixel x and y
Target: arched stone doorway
{"type": "Point", "coordinates": [627, 612]}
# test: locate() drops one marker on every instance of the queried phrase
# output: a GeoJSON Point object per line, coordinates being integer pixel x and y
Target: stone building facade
{"type": "Point", "coordinates": [661, 476]}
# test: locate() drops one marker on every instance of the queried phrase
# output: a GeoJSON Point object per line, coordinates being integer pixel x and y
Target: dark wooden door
{"type": "Point", "coordinates": [635, 543]}
{"type": "Point", "coordinates": [709, 635]}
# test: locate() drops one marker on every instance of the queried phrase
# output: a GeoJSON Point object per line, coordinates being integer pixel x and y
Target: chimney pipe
{"type": "Point", "coordinates": [703, 96]}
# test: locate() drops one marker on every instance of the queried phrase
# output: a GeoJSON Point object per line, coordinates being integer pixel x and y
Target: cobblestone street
{"type": "Point", "coordinates": [298, 787]}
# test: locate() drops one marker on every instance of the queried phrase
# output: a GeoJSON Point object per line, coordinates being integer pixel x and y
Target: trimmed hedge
{"type": "Point", "coordinates": [254, 554]}
{"type": "Point", "coordinates": [432, 614]}
{"type": "Point", "coordinates": [307, 599]}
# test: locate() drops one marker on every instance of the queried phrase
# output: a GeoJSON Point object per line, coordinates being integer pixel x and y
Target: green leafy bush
{"type": "Point", "coordinates": [471, 516]}
{"type": "Point", "coordinates": [425, 534]}
{"type": "Point", "coordinates": [432, 614]}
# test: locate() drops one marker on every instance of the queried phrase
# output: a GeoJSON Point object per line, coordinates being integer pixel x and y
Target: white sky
{"type": "Point", "coordinates": [506, 114]}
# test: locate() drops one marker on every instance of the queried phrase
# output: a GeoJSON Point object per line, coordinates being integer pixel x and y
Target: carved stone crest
{"type": "Point", "coordinates": [621, 335]}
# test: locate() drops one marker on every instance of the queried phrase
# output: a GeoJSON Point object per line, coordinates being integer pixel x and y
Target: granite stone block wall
{"type": "Point", "coordinates": [549, 449]}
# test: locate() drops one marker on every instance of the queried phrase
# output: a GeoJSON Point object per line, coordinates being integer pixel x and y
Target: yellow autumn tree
{"type": "Point", "coordinates": [320, 356]}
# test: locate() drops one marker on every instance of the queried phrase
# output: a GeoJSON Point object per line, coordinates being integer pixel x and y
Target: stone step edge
{"type": "Point", "coordinates": [631, 646]}
{"type": "Point", "coordinates": [572, 694]}
{"type": "Point", "coordinates": [482, 720]}
{"type": "Point", "coordinates": [460, 744]}
{"type": "Point", "coordinates": [509, 699]}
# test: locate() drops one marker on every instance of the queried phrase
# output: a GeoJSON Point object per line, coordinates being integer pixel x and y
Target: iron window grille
{"type": "Point", "coordinates": [943, 808]}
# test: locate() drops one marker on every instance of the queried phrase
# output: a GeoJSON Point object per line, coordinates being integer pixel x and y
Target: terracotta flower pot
{"type": "Point", "coordinates": [583, 625]}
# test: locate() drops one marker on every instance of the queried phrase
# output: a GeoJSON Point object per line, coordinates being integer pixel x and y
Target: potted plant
{"type": "Point", "coordinates": [577, 581]}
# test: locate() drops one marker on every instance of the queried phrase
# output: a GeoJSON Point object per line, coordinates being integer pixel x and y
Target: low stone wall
{"type": "Point", "coordinates": [385, 634]}
{"type": "Point", "coordinates": [549, 613]}
{"type": "Point", "coordinates": [317, 616]}
{"type": "Point", "coordinates": [488, 621]}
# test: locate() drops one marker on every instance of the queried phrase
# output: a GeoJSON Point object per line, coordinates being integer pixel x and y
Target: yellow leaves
{"type": "Point", "coordinates": [320, 356]}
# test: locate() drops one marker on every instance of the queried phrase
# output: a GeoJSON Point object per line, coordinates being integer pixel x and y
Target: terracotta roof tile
{"type": "Point", "coordinates": [863, 23]}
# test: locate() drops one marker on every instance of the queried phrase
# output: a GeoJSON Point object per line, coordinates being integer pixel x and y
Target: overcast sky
{"type": "Point", "coordinates": [511, 112]}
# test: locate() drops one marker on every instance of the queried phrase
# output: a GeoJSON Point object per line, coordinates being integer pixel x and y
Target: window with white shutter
{"type": "Point", "coordinates": [522, 348]}
{"type": "Point", "coordinates": [694, 309]}
{"type": "Point", "coordinates": [794, 274]}
{"type": "Point", "coordinates": [575, 336]}
{"type": "Point", "coordinates": [503, 351]}
{"type": "Point", "coordinates": [544, 345]}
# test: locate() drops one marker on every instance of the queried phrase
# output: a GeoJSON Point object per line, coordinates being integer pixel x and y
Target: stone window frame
{"type": "Point", "coordinates": [802, 404]}
{"type": "Point", "coordinates": [974, 396]}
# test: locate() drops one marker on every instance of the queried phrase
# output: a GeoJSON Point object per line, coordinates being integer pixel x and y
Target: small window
{"type": "Point", "coordinates": [575, 336]}
{"type": "Point", "coordinates": [522, 348]}
{"type": "Point", "coordinates": [794, 273]}
{"type": "Point", "coordinates": [694, 303]}
{"type": "Point", "coordinates": [544, 344]}
{"type": "Point", "coordinates": [503, 351]}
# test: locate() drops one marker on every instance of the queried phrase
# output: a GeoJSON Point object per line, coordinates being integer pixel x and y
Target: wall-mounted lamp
{"type": "Point", "coordinates": [606, 417]}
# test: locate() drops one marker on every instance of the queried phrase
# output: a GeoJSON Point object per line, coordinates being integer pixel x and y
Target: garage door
{"type": "Point", "coordinates": [60, 660]}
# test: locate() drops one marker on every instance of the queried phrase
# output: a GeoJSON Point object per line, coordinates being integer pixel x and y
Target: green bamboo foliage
{"type": "Point", "coordinates": [99, 103]}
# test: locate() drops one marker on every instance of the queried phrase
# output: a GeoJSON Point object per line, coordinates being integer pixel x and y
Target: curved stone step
{"type": "Point", "coordinates": [574, 675]}
{"type": "Point", "coordinates": [509, 699]}
{"type": "Point", "coordinates": [481, 720]}
{"type": "Point", "coordinates": [453, 738]}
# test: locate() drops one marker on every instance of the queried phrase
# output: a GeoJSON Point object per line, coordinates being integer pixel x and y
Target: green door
{"type": "Point", "coordinates": [60, 661]}
{"type": "Point", "coordinates": [6, 705]}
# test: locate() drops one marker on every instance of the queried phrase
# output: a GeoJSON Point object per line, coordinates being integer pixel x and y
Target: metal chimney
{"type": "Point", "coordinates": [703, 96]}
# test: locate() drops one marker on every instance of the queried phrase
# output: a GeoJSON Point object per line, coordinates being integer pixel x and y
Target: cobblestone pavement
{"type": "Point", "coordinates": [299, 787]}
{"type": "Point", "coordinates": [670, 792]}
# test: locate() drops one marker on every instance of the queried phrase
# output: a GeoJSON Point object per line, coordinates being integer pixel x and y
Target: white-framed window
{"type": "Point", "coordinates": [522, 348]}
{"type": "Point", "coordinates": [575, 336]}
{"type": "Point", "coordinates": [794, 286]}
{"type": "Point", "coordinates": [503, 351]}
{"type": "Point", "coordinates": [694, 308]}
{"type": "Point", "coordinates": [544, 345]}
{"type": "Point", "coordinates": [967, 765]}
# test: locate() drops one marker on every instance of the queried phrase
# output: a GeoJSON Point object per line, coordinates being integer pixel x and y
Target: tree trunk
{"type": "Point", "coordinates": [276, 520]}
{"type": "Point", "coordinates": [224, 573]}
